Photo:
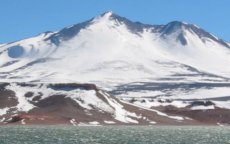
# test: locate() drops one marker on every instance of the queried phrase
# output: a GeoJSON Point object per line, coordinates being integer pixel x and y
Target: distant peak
{"type": "Point", "coordinates": [177, 24]}
{"type": "Point", "coordinates": [107, 14]}
{"type": "Point", "coordinates": [112, 15]}
{"type": "Point", "coordinates": [172, 27]}
{"type": "Point", "coordinates": [181, 27]}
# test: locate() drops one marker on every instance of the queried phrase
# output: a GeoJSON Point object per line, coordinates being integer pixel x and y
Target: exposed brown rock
{"type": "Point", "coordinates": [15, 119]}
{"type": "Point", "coordinates": [59, 109]}
{"type": "Point", "coordinates": [211, 116]}
{"type": "Point", "coordinates": [29, 94]}
{"type": "Point", "coordinates": [7, 97]}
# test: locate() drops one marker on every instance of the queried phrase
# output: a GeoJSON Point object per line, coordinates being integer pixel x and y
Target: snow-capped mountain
{"type": "Point", "coordinates": [113, 49]}
{"type": "Point", "coordinates": [176, 64]}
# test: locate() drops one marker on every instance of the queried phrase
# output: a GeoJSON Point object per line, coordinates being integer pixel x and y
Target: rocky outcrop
{"type": "Point", "coordinates": [85, 104]}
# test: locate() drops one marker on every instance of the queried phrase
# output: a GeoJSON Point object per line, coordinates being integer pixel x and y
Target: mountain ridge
{"type": "Point", "coordinates": [115, 16]}
{"type": "Point", "coordinates": [135, 26]}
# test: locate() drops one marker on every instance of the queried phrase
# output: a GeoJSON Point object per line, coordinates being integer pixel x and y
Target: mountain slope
{"type": "Point", "coordinates": [151, 66]}
{"type": "Point", "coordinates": [75, 104]}
{"type": "Point", "coordinates": [111, 44]}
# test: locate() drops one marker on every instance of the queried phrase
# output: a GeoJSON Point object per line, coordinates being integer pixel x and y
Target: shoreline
{"type": "Point", "coordinates": [118, 125]}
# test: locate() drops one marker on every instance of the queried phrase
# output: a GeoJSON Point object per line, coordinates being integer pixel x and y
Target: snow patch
{"type": "Point", "coordinates": [23, 104]}
{"type": "Point", "coordinates": [222, 104]}
{"type": "Point", "coordinates": [73, 122]}
{"type": "Point", "coordinates": [109, 122]}
{"type": "Point", "coordinates": [201, 93]}
{"type": "Point", "coordinates": [219, 124]}
{"type": "Point", "coordinates": [89, 98]}
{"type": "Point", "coordinates": [158, 112]}
{"type": "Point", "coordinates": [120, 114]}
{"type": "Point", "coordinates": [153, 122]}
{"type": "Point", "coordinates": [203, 107]}
{"type": "Point", "coordinates": [141, 94]}
{"type": "Point", "coordinates": [23, 122]}
{"type": "Point", "coordinates": [94, 123]}
{"type": "Point", "coordinates": [2, 120]}
{"type": "Point", "coordinates": [87, 124]}
{"type": "Point", "coordinates": [144, 102]}
{"type": "Point", "coordinates": [3, 111]}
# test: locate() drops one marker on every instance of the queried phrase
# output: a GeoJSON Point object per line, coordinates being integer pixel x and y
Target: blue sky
{"type": "Point", "coordinates": [21, 19]}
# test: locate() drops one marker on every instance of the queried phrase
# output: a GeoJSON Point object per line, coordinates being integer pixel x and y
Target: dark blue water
{"type": "Point", "coordinates": [114, 135]}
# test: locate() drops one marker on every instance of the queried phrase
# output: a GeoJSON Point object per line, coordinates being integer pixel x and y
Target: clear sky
{"type": "Point", "coordinates": [21, 19]}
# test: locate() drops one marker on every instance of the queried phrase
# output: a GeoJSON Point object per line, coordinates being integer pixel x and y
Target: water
{"type": "Point", "coordinates": [114, 135]}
